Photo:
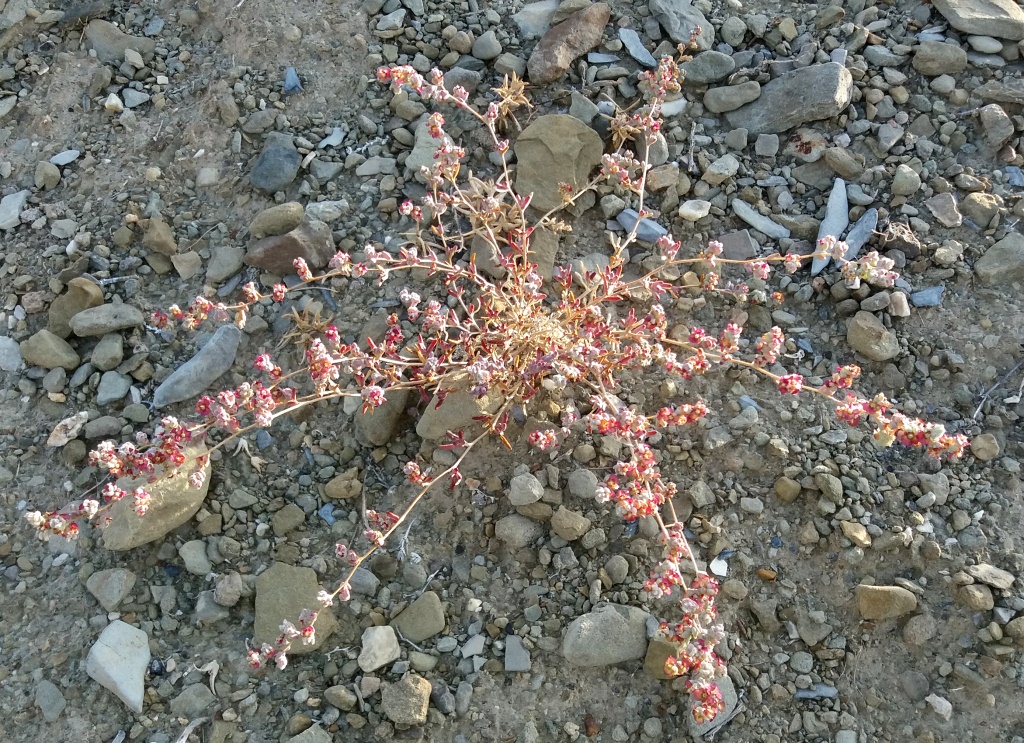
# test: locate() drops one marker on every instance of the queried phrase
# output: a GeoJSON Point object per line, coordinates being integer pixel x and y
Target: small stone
{"type": "Point", "coordinates": [787, 489]}
{"type": "Point", "coordinates": [111, 586]}
{"type": "Point", "coordinates": [49, 351]}
{"type": "Point", "coordinates": [731, 97]}
{"type": "Point", "coordinates": [229, 589]}
{"type": "Point", "coordinates": [422, 619]}
{"type": "Point", "coordinates": [107, 318]}
{"type": "Point", "coordinates": [47, 176]}
{"type": "Point", "coordinates": [277, 164]}
{"type": "Point", "coordinates": [694, 209]}
{"type": "Point", "coordinates": [524, 490]}
{"type": "Point", "coordinates": [977, 597]}
{"type": "Point", "coordinates": [919, 629]}
{"type": "Point", "coordinates": [379, 648]}
{"type": "Point", "coordinates": [884, 602]}
{"type": "Point", "coordinates": [868, 336]}
{"type": "Point", "coordinates": [405, 702]}
{"type": "Point", "coordinates": [517, 531]}
{"type": "Point", "coordinates": [943, 207]}
{"type": "Point", "coordinates": [610, 634]}
{"type": "Point", "coordinates": [905, 181]}
{"type": "Point", "coordinates": [569, 525]}
{"type": "Point", "coordinates": [985, 447]}
{"type": "Point", "coordinates": [49, 700]}
{"type": "Point", "coordinates": [192, 701]}
{"type": "Point", "coordinates": [721, 170]}
{"type": "Point", "coordinates": [517, 657]}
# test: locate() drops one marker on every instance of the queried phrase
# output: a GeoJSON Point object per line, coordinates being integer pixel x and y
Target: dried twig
{"type": "Point", "coordinates": [183, 736]}
{"type": "Point", "coordinates": [987, 394]}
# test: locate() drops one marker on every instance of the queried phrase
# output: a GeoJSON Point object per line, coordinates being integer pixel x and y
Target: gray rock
{"type": "Point", "coordinates": [10, 355]}
{"type": "Point", "coordinates": [758, 221]}
{"type": "Point", "coordinates": [107, 318]}
{"type": "Point", "coordinates": [192, 701]}
{"type": "Point", "coordinates": [315, 734]}
{"type": "Point", "coordinates": [635, 47]}
{"type": "Point", "coordinates": [380, 424]}
{"type": "Point", "coordinates": [935, 58]}
{"type": "Point", "coordinates": [555, 149]}
{"type": "Point", "coordinates": [680, 19]}
{"type": "Point", "coordinates": [118, 662]}
{"type": "Point", "coordinates": [227, 260]}
{"type": "Point", "coordinates": [837, 219]}
{"type": "Point", "coordinates": [524, 490]}
{"type": "Point", "coordinates": [731, 97]}
{"type": "Point", "coordinates": [457, 411]}
{"type": "Point", "coordinates": [111, 586]}
{"type": "Point", "coordinates": [193, 554]}
{"type": "Point", "coordinates": [648, 230]}
{"type": "Point", "coordinates": [868, 336]}
{"type": "Point", "coordinates": [535, 18]}
{"type": "Point", "coordinates": [422, 619]}
{"type": "Point", "coordinates": [610, 634]}
{"type": "Point", "coordinates": [1003, 19]}
{"type": "Point", "coordinates": [392, 21]}
{"type": "Point", "coordinates": [808, 94]}
{"type": "Point", "coordinates": [487, 46]}
{"type": "Point", "coordinates": [517, 531]}
{"type": "Point", "coordinates": [379, 648]}
{"type": "Point", "coordinates": [729, 696]}
{"type": "Point", "coordinates": [134, 98]}
{"type": "Point", "coordinates": [202, 370]}
{"type": "Point", "coordinates": [944, 208]}
{"type": "Point", "coordinates": [49, 351]}
{"type": "Point", "coordinates": [707, 67]}
{"type": "Point", "coordinates": [49, 700]}
{"type": "Point", "coordinates": [282, 593]}
{"type": "Point", "coordinates": [582, 483]}
{"type": "Point", "coordinates": [277, 165]}
{"type": "Point", "coordinates": [860, 233]}
{"type": "Point", "coordinates": [110, 43]}
{"type": "Point", "coordinates": [517, 657]}
{"type": "Point", "coordinates": [1002, 263]}
{"type": "Point", "coordinates": [173, 503]}
{"type": "Point", "coordinates": [229, 589]}
{"type": "Point", "coordinates": [405, 702]}
{"type": "Point", "coordinates": [11, 207]}
{"type": "Point", "coordinates": [930, 297]}
{"type": "Point", "coordinates": [112, 388]}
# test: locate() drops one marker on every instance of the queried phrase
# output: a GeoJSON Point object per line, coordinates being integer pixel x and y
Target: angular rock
{"type": "Point", "coordinates": [110, 42]}
{"type": "Point", "coordinates": [193, 700]}
{"type": "Point", "coordinates": [1003, 262]}
{"type": "Point", "coordinates": [680, 19]}
{"type": "Point", "coordinates": [517, 657]}
{"type": "Point", "coordinates": [524, 490]}
{"type": "Point", "coordinates": [277, 220]}
{"type": "Point", "coordinates": [11, 359]}
{"type": "Point", "coordinates": [277, 164]}
{"type": "Point", "coordinates": [49, 700]}
{"type": "Point", "coordinates": [991, 575]}
{"type": "Point", "coordinates": [555, 149]}
{"type": "Point", "coordinates": [758, 221]}
{"type": "Point", "coordinates": [868, 337]}
{"type": "Point", "coordinates": [707, 67]}
{"type": "Point", "coordinates": [118, 662]}
{"type": "Point", "coordinates": [311, 240]}
{"type": "Point", "coordinates": [934, 58]}
{"type": "Point", "coordinates": [12, 205]}
{"type": "Point", "coordinates": [107, 318]}
{"type": "Point", "coordinates": [380, 424]}
{"type": "Point", "coordinates": [564, 43]}
{"type": "Point", "coordinates": [379, 648]}
{"type": "Point", "coordinates": [944, 208]}
{"type": "Point", "coordinates": [49, 351]}
{"type": "Point", "coordinates": [202, 370]}
{"type": "Point", "coordinates": [81, 294]}
{"type": "Point", "coordinates": [517, 531]}
{"type": "Point", "coordinates": [837, 219]}
{"type": "Point", "coordinates": [422, 619]}
{"type": "Point", "coordinates": [405, 702]}
{"type": "Point", "coordinates": [1003, 19]}
{"type": "Point", "coordinates": [111, 586]}
{"type": "Point", "coordinates": [612, 633]}
{"type": "Point", "coordinates": [456, 412]}
{"type": "Point", "coordinates": [731, 97]}
{"type": "Point", "coordinates": [282, 593]}
{"type": "Point", "coordinates": [315, 734]}
{"type": "Point", "coordinates": [569, 525]}
{"type": "Point", "coordinates": [808, 94]}
{"type": "Point", "coordinates": [173, 503]}
{"type": "Point", "coordinates": [884, 602]}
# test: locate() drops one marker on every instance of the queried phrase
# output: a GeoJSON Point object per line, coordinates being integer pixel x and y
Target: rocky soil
{"type": "Point", "coordinates": [153, 151]}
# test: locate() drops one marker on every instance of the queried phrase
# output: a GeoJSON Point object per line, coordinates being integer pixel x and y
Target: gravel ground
{"type": "Point", "coordinates": [150, 152]}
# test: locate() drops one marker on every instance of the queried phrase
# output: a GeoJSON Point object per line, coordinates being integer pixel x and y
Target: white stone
{"type": "Point", "coordinates": [380, 647]}
{"type": "Point", "coordinates": [118, 662]}
{"type": "Point", "coordinates": [694, 209]}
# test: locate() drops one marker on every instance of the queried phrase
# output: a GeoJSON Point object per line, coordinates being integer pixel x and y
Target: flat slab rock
{"type": "Point", "coordinates": [808, 94]}
{"type": "Point", "coordinates": [1003, 19]}
{"type": "Point", "coordinates": [118, 662]}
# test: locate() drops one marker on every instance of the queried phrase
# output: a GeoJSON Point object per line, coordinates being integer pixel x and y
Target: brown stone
{"type": "Point", "coordinates": [82, 294]}
{"type": "Point", "coordinates": [564, 43]}
{"type": "Point", "coordinates": [311, 241]}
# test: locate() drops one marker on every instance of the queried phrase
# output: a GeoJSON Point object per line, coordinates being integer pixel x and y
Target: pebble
{"type": "Point", "coordinates": [49, 700]}
{"type": "Point", "coordinates": [195, 375]}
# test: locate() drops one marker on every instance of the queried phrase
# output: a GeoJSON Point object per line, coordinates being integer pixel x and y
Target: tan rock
{"type": "Point", "coordinates": [565, 42]}
{"type": "Point", "coordinates": [80, 295]}
{"type": "Point", "coordinates": [884, 602]}
{"type": "Point", "coordinates": [867, 336]}
{"type": "Point", "coordinates": [555, 149]}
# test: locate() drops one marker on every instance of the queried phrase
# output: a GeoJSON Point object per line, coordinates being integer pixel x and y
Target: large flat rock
{"type": "Point", "coordinates": [809, 94]}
